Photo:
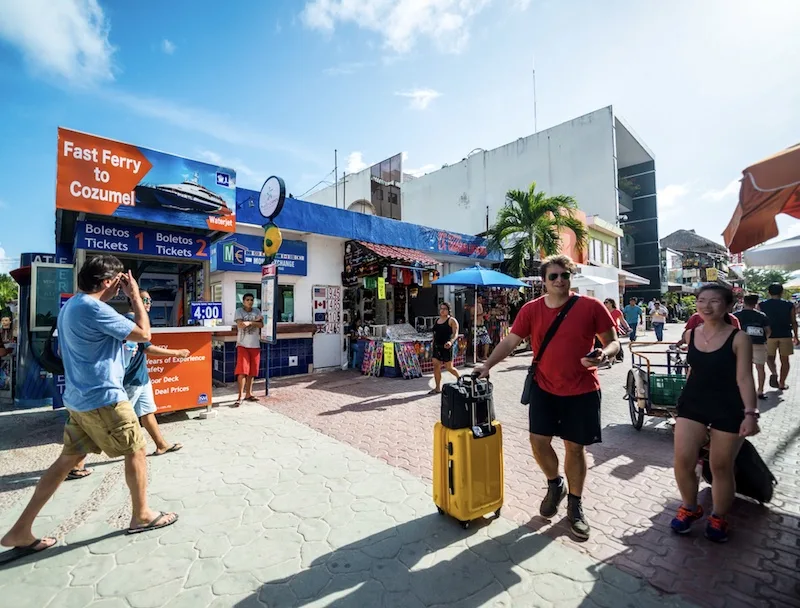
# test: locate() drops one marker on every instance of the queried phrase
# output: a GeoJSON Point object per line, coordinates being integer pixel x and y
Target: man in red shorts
{"type": "Point", "coordinates": [562, 389]}
{"type": "Point", "coordinates": [248, 346]}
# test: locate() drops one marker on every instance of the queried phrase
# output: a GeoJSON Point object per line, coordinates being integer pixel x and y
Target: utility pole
{"type": "Point", "coordinates": [344, 189]}
{"type": "Point", "coordinates": [336, 175]}
{"type": "Point", "coordinates": [535, 124]}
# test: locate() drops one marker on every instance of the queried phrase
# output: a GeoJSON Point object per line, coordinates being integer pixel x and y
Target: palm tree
{"type": "Point", "coordinates": [530, 223]}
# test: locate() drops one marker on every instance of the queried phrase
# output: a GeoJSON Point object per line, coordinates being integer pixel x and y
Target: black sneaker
{"type": "Point", "coordinates": [555, 494]}
{"type": "Point", "coordinates": [580, 527]}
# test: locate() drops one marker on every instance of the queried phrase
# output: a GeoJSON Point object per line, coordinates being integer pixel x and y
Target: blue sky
{"type": "Point", "coordinates": [273, 87]}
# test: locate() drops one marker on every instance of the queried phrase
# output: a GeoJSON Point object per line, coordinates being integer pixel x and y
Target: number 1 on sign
{"type": "Point", "coordinates": [140, 240]}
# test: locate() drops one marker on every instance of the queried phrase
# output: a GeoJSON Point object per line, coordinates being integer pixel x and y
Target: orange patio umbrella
{"type": "Point", "coordinates": [769, 187]}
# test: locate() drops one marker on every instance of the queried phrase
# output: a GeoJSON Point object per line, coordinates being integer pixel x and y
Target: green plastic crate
{"type": "Point", "coordinates": [665, 390]}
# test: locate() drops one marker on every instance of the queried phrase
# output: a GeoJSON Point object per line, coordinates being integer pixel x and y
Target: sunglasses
{"type": "Point", "coordinates": [554, 275]}
{"type": "Point", "coordinates": [147, 301]}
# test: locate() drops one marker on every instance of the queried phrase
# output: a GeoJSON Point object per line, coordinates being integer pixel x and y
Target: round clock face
{"type": "Point", "coordinates": [270, 201]}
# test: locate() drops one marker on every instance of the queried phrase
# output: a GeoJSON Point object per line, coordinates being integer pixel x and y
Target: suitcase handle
{"type": "Point", "coordinates": [478, 387]}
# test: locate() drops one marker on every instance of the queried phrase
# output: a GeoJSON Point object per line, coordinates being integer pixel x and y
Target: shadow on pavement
{"type": "Point", "coordinates": [649, 447]}
{"type": "Point", "coordinates": [401, 562]}
{"type": "Point", "coordinates": [25, 429]}
{"type": "Point", "coordinates": [58, 550]}
{"type": "Point", "coordinates": [378, 404]}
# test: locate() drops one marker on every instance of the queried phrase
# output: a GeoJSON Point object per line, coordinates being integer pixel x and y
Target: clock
{"type": "Point", "coordinates": [273, 194]}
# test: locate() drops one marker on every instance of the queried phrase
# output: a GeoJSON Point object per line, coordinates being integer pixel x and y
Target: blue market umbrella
{"type": "Point", "coordinates": [478, 276]}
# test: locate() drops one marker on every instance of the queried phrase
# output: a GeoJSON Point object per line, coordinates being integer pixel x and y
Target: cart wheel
{"type": "Point", "coordinates": [441, 511]}
{"type": "Point", "coordinates": [464, 524]}
{"type": "Point", "coordinates": [637, 415]}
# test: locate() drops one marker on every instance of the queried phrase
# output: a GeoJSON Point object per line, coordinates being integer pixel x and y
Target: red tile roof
{"type": "Point", "coordinates": [401, 254]}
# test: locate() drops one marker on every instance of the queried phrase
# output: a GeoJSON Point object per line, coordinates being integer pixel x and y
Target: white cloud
{"type": "Point", "coordinates": [355, 162]}
{"type": "Point", "coordinates": [68, 38]}
{"type": "Point", "coordinates": [6, 263]}
{"type": "Point", "coordinates": [729, 191]}
{"type": "Point", "coordinates": [401, 23]}
{"type": "Point", "coordinates": [344, 69]}
{"type": "Point", "coordinates": [522, 5]}
{"type": "Point", "coordinates": [669, 196]}
{"type": "Point", "coordinates": [168, 46]}
{"type": "Point", "coordinates": [420, 98]}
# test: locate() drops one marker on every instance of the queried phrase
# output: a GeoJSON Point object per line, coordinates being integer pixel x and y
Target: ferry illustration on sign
{"type": "Point", "coordinates": [189, 195]}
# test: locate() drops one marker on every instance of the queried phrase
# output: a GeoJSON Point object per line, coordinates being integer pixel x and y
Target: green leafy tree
{"type": "Point", "coordinates": [530, 223]}
{"type": "Point", "coordinates": [757, 280]}
{"type": "Point", "coordinates": [9, 290]}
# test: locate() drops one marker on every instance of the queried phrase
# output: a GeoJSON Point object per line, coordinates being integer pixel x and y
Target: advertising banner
{"type": "Point", "coordinates": [269, 279]}
{"type": "Point", "coordinates": [181, 384]}
{"type": "Point", "coordinates": [118, 238]}
{"type": "Point", "coordinates": [105, 177]}
{"type": "Point", "coordinates": [243, 253]}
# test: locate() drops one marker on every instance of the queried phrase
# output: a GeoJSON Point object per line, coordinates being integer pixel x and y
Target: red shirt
{"type": "Point", "coordinates": [560, 371]}
{"type": "Point", "coordinates": [696, 321]}
{"type": "Point", "coordinates": [616, 315]}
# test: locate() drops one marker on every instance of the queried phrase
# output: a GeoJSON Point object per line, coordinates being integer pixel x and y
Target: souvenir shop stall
{"type": "Point", "coordinates": [384, 288]}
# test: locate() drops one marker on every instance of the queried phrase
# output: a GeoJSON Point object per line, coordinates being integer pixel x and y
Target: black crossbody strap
{"type": "Point", "coordinates": [551, 331]}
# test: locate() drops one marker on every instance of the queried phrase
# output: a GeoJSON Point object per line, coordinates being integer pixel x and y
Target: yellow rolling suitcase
{"type": "Point", "coordinates": [468, 469]}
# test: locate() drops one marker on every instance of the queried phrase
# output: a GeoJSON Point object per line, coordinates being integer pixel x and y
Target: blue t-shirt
{"type": "Point", "coordinates": [136, 372]}
{"type": "Point", "coordinates": [632, 314]}
{"type": "Point", "coordinates": [90, 337]}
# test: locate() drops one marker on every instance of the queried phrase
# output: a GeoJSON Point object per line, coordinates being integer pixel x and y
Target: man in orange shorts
{"type": "Point", "coordinates": [248, 347]}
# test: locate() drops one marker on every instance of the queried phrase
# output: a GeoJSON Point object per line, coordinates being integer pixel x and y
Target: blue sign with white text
{"type": "Point", "coordinates": [139, 240]}
{"type": "Point", "coordinates": [205, 311]}
{"type": "Point", "coordinates": [243, 252]}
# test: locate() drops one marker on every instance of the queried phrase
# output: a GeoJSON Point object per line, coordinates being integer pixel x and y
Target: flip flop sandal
{"type": "Point", "coordinates": [237, 404]}
{"type": "Point", "coordinates": [763, 397]}
{"type": "Point", "coordinates": [173, 448]}
{"type": "Point", "coordinates": [773, 381]}
{"type": "Point", "coordinates": [78, 474]}
{"type": "Point", "coordinates": [253, 398]}
{"type": "Point", "coordinates": [153, 525]}
{"type": "Point", "coordinates": [12, 555]}
{"type": "Point", "coordinates": [433, 391]}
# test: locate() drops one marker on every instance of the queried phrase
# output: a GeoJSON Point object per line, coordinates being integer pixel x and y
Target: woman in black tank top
{"type": "Point", "coordinates": [445, 332]}
{"type": "Point", "coordinates": [719, 394]}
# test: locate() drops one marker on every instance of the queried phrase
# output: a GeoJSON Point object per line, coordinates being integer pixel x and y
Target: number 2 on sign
{"type": "Point", "coordinates": [201, 253]}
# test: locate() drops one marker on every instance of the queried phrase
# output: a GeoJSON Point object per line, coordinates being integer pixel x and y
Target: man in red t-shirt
{"type": "Point", "coordinates": [565, 396]}
{"type": "Point", "coordinates": [696, 321]}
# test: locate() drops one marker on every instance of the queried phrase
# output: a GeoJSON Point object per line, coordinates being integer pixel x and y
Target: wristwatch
{"type": "Point", "coordinates": [754, 413]}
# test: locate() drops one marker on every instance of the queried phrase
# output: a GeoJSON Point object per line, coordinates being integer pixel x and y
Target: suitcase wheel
{"type": "Point", "coordinates": [464, 524]}
{"type": "Point", "coordinates": [441, 511]}
{"type": "Point", "coordinates": [497, 513]}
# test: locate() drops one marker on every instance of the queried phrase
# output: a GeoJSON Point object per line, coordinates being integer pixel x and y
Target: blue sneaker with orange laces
{"type": "Point", "coordinates": [683, 521]}
{"type": "Point", "coordinates": [717, 529]}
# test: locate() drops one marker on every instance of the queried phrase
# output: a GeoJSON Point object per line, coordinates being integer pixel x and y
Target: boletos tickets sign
{"type": "Point", "coordinates": [106, 177]}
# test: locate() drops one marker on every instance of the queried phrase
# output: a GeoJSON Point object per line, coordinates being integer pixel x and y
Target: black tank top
{"type": "Point", "coordinates": [713, 375]}
{"type": "Point", "coordinates": [442, 332]}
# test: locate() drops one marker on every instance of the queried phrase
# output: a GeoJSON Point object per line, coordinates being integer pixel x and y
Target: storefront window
{"type": "Point", "coordinates": [251, 288]}
{"type": "Point", "coordinates": [286, 303]}
{"type": "Point", "coordinates": [596, 251]}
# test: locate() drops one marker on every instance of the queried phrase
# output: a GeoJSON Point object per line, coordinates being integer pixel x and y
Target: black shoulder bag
{"type": "Point", "coordinates": [551, 331]}
{"type": "Point", "coordinates": [49, 360]}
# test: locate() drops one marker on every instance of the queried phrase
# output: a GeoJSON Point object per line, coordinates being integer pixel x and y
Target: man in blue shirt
{"type": "Point", "coordinates": [633, 315]}
{"type": "Point", "coordinates": [101, 419]}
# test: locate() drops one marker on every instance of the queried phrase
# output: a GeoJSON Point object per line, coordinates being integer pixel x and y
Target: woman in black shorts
{"type": "Point", "coordinates": [445, 332]}
{"type": "Point", "coordinates": [720, 394]}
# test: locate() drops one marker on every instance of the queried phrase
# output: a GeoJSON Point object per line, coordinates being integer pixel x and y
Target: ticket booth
{"type": "Point", "coordinates": [158, 214]}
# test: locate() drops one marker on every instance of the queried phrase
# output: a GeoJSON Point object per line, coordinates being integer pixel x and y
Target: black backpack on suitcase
{"type": "Point", "coordinates": [753, 477]}
{"type": "Point", "coordinates": [456, 400]}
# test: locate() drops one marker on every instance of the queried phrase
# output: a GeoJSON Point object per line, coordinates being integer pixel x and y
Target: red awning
{"type": "Point", "coordinates": [400, 254]}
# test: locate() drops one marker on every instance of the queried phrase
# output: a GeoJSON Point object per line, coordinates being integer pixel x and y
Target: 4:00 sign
{"type": "Point", "coordinates": [206, 311]}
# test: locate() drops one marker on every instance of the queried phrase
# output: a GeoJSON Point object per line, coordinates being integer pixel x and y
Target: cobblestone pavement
{"type": "Point", "coordinates": [273, 513]}
{"type": "Point", "coordinates": [630, 496]}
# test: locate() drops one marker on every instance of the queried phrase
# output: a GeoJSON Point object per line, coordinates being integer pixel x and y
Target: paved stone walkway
{"type": "Point", "coordinates": [273, 513]}
{"type": "Point", "coordinates": [630, 496]}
